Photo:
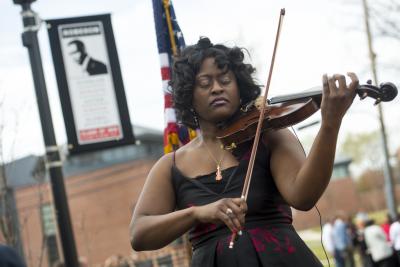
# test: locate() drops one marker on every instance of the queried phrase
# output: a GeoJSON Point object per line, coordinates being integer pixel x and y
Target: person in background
{"type": "Point", "coordinates": [9, 257]}
{"type": "Point", "coordinates": [394, 234]}
{"type": "Point", "coordinates": [365, 256]}
{"type": "Point", "coordinates": [352, 234]}
{"type": "Point", "coordinates": [362, 216]}
{"type": "Point", "coordinates": [379, 247]}
{"type": "Point", "coordinates": [386, 225]}
{"type": "Point", "coordinates": [116, 261]}
{"type": "Point", "coordinates": [327, 237]}
{"type": "Point", "coordinates": [60, 263]}
{"type": "Point", "coordinates": [341, 241]}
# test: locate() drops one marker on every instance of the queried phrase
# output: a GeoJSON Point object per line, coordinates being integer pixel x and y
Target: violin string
{"type": "Point", "coordinates": [319, 213]}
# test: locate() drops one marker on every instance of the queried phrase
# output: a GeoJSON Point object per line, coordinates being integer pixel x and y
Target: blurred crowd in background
{"type": "Point", "coordinates": [359, 241]}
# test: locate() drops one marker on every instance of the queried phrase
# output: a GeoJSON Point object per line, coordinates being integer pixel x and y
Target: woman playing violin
{"type": "Point", "coordinates": [198, 187]}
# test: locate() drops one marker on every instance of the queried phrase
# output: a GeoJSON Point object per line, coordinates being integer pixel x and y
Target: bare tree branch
{"type": "Point", "coordinates": [386, 19]}
{"type": "Point", "coordinates": [8, 225]}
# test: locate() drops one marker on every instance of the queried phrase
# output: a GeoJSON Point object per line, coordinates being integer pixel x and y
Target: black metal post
{"type": "Point", "coordinates": [53, 161]}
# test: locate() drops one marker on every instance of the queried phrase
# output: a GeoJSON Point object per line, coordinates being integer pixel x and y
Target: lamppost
{"type": "Point", "coordinates": [31, 23]}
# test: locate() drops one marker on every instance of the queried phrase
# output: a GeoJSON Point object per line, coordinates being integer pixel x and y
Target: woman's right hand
{"type": "Point", "coordinates": [230, 211]}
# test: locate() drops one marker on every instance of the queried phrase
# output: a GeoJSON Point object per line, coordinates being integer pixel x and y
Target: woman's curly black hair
{"type": "Point", "coordinates": [187, 65]}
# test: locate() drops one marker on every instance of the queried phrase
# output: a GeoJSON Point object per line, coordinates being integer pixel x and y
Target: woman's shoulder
{"type": "Point", "coordinates": [168, 160]}
{"type": "Point", "coordinates": [163, 165]}
{"type": "Point", "coordinates": [275, 138]}
{"type": "Point", "coordinates": [187, 149]}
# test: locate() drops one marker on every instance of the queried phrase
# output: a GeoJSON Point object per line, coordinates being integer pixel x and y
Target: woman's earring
{"type": "Point", "coordinates": [196, 121]}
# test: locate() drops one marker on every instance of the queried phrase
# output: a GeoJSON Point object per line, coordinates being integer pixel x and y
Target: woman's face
{"type": "Point", "coordinates": [216, 93]}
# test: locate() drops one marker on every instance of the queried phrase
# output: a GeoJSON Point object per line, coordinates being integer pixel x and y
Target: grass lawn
{"type": "Point", "coordinates": [316, 247]}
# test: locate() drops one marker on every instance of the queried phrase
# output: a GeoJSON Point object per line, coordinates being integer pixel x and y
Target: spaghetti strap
{"type": "Point", "coordinates": [173, 158]}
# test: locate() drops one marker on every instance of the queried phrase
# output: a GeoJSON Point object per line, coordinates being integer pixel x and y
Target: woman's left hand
{"type": "Point", "coordinates": [337, 98]}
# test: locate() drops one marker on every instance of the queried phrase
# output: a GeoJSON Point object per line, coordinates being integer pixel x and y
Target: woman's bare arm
{"type": "Point", "coordinates": [302, 180]}
{"type": "Point", "coordinates": [154, 223]}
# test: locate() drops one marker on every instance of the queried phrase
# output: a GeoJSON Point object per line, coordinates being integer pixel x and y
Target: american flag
{"type": "Point", "coordinates": [169, 41]}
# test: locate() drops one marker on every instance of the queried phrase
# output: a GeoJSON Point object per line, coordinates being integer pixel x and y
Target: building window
{"type": "Point", "coordinates": [147, 263]}
{"type": "Point", "coordinates": [340, 171]}
{"type": "Point", "coordinates": [50, 231]}
{"type": "Point", "coordinates": [178, 241]}
{"type": "Point", "coordinates": [165, 261]}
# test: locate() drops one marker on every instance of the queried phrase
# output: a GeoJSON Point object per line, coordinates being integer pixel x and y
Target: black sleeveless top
{"type": "Point", "coordinates": [268, 219]}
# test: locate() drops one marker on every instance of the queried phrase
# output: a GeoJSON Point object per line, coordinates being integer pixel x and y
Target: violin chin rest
{"type": "Point", "coordinates": [258, 102]}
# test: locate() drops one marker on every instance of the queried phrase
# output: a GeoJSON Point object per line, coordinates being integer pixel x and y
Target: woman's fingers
{"type": "Point", "coordinates": [338, 96]}
{"type": "Point", "coordinates": [354, 81]}
{"type": "Point", "coordinates": [325, 84]}
{"type": "Point", "coordinates": [333, 90]}
{"type": "Point", "coordinates": [241, 203]}
{"type": "Point", "coordinates": [331, 87]}
{"type": "Point", "coordinates": [235, 211]}
{"type": "Point", "coordinates": [228, 221]}
{"type": "Point", "coordinates": [342, 83]}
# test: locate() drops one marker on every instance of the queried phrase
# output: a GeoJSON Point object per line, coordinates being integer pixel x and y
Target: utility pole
{"type": "Point", "coordinates": [31, 23]}
{"type": "Point", "coordinates": [389, 189]}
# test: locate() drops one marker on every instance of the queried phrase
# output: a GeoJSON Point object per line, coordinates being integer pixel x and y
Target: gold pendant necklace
{"type": "Point", "coordinates": [218, 173]}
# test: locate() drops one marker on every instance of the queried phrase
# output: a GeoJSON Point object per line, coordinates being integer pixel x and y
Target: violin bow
{"type": "Point", "coordinates": [249, 172]}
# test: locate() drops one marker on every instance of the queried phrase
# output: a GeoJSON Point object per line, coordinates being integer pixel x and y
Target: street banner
{"type": "Point", "coordinates": [90, 83]}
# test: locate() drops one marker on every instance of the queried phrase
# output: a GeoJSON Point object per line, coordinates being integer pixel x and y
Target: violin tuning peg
{"type": "Point", "coordinates": [230, 147]}
{"type": "Point", "coordinates": [378, 100]}
{"type": "Point", "coordinates": [364, 95]}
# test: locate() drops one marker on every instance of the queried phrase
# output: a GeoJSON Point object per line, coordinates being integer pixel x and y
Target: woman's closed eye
{"type": "Point", "coordinates": [225, 80]}
{"type": "Point", "coordinates": [204, 82]}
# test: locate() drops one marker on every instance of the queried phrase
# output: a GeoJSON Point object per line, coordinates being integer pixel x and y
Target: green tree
{"type": "Point", "coordinates": [364, 148]}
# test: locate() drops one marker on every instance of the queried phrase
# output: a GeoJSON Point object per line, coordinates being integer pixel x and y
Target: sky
{"type": "Point", "coordinates": [318, 36]}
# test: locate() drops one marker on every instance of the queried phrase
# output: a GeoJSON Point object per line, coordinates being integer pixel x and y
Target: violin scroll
{"type": "Point", "coordinates": [389, 91]}
{"type": "Point", "coordinates": [385, 92]}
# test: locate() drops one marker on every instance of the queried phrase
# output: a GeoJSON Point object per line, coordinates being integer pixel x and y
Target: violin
{"type": "Point", "coordinates": [288, 110]}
